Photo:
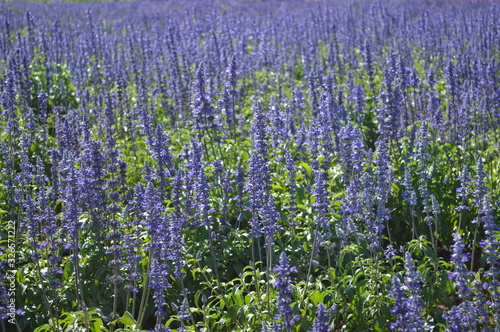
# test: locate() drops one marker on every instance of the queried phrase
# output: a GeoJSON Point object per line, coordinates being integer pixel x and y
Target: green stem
{"type": "Point", "coordinates": [115, 295]}
{"type": "Point", "coordinates": [412, 215]}
{"type": "Point", "coordinates": [474, 246]}
{"type": "Point", "coordinates": [212, 251]}
{"type": "Point", "coordinates": [254, 264]}
{"type": "Point", "coordinates": [432, 236]}
{"type": "Point", "coordinates": [44, 292]}
{"type": "Point", "coordinates": [145, 293]}
{"type": "Point", "coordinates": [302, 298]}
{"type": "Point", "coordinates": [268, 273]}
{"type": "Point", "coordinates": [134, 296]}
{"type": "Point", "coordinates": [460, 218]}
{"type": "Point", "coordinates": [436, 234]}
{"type": "Point", "coordinates": [79, 288]}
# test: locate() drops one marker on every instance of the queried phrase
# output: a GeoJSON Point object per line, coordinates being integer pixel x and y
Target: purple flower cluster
{"type": "Point", "coordinates": [408, 305]}
{"type": "Point", "coordinates": [283, 284]}
{"type": "Point", "coordinates": [138, 133]}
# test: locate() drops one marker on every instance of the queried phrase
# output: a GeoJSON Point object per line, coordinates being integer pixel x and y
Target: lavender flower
{"type": "Point", "coordinates": [462, 276]}
{"type": "Point", "coordinates": [463, 191]}
{"type": "Point", "coordinates": [382, 171]}
{"type": "Point", "coordinates": [4, 294]}
{"type": "Point", "coordinates": [285, 293]}
{"type": "Point", "coordinates": [351, 151]}
{"type": "Point", "coordinates": [184, 309]}
{"type": "Point", "coordinates": [258, 184]}
{"type": "Point", "coordinates": [269, 222]}
{"type": "Point", "coordinates": [230, 94]}
{"type": "Point", "coordinates": [152, 207]}
{"type": "Point", "coordinates": [480, 189]}
{"type": "Point", "coordinates": [201, 188]}
{"type": "Point", "coordinates": [367, 52]}
{"type": "Point", "coordinates": [71, 203]}
{"type": "Point", "coordinates": [92, 177]}
{"type": "Point", "coordinates": [321, 323]}
{"type": "Point", "coordinates": [390, 252]}
{"type": "Point", "coordinates": [203, 112]}
{"type": "Point", "coordinates": [159, 283]}
{"type": "Point", "coordinates": [161, 153]}
{"type": "Point", "coordinates": [400, 305]}
{"type": "Point", "coordinates": [322, 204]}
{"type": "Point", "coordinates": [177, 245]}
{"type": "Point", "coordinates": [408, 304]}
{"type": "Point", "coordinates": [232, 71]}
{"type": "Point", "coordinates": [464, 316]}
{"type": "Point", "coordinates": [491, 247]}
{"type": "Point", "coordinates": [351, 210]}
{"type": "Point", "coordinates": [409, 195]}
{"type": "Point", "coordinates": [276, 125]}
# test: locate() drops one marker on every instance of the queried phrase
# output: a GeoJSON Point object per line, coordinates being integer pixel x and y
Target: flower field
{"type": "Point", "coordinates": [250, 166]}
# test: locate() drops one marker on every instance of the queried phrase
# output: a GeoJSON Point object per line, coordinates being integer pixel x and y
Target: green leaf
{"type": "Point", "coordinates": [316, 297]}
{"type": "Point", "coordinates": [127, 319]}
{"type": "Point", "coordinates": [307, 168]}
{"type": "Point", "coordinates": [170, 321]}
{"type": "Point", "coordinates": [68, 320]}
{"type": "Point", "coordinates": [238, 299]}
{"type": "Point", "coordinates": [97, 325]}
{"type": "Point", "coordinates": [222, 303]}
{"type": "Point", "coordinates": [43, 328]}
{"type": "Point", "coordinates": [233, 311]}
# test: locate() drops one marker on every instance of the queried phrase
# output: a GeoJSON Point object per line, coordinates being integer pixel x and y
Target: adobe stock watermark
{"type": "Point", "coordinates": [10, 277]}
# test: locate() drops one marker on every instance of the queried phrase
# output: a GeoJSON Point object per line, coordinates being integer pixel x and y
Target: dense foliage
{"type": "Point", "coordinates": [250, 166]}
